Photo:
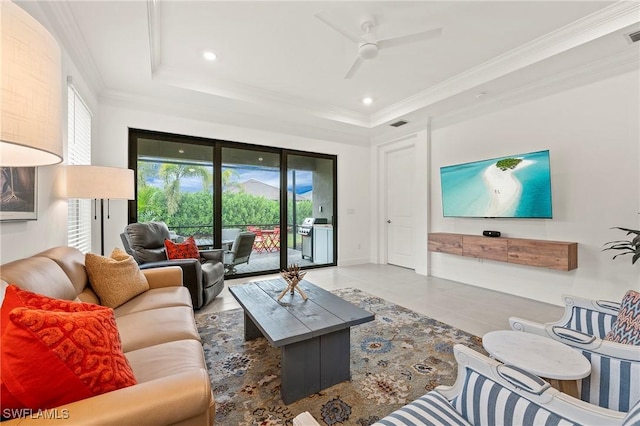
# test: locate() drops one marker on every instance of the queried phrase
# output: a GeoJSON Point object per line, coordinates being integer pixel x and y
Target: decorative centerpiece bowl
{"type": "Point", "coordinates": [293, 276]}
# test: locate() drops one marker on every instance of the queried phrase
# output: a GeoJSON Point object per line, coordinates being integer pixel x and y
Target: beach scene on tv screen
{"type": "Point", "coordinates": [511, 186]}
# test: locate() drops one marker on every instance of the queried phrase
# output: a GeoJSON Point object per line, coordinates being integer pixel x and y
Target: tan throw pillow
{"type": "Point", "coordinates": [115, 279]}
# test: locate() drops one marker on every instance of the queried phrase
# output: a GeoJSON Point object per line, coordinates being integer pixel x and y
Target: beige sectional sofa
{"type": "Point", "coordinates": [159, 339]}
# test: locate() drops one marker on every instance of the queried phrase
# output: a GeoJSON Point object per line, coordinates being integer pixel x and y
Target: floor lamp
{"type": "Point", "coordinates": [30, 91]}
{"type": "Point", "coordinates": [100, 183]}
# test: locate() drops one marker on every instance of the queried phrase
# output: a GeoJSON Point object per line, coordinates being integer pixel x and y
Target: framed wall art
{"type": "Point", "coordinates": [19, 197]}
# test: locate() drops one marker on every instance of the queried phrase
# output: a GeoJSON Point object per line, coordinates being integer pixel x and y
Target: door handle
{"type": "Point", "coordinates": [388, 221]}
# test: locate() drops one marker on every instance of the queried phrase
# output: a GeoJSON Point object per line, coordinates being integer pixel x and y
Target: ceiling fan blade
{"type": "Point", "coordinates": [353, 37]}
{"type": "Point", "coordinates": [354, 67]}
{"type": "Point", "coordinates": [411, 38]}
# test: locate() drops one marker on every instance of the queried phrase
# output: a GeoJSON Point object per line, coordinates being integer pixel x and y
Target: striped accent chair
{"type": "Point", "coordinates": [615, 368]}
{"type": "Point", "coordinates": [430, 409]}
{"type": "Point", "coordinates": [633, 417]}
{"type": "Point", "coordinates": [487, 392]}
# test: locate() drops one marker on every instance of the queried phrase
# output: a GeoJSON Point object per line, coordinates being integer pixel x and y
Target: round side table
{"type": "Point", "coordinates": [539, 355]}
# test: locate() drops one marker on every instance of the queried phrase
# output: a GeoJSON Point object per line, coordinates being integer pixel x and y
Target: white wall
{"type": "Point", "coordinates": [593, 134]}
{"type": "Point", "coordinates": [21, 239]}
{"type": "Point", "coordinates": [353, 169]}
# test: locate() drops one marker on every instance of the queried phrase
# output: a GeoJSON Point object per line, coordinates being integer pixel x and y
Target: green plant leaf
{"type": "Point", "coordinates": [625, 246]}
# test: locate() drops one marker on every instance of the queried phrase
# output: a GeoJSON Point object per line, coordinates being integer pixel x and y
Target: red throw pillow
{"type": "Point", "coordinates": [186, 250]}
{"type": "Point", "coordinates": [15, 297]}
{"type": "Point", "coordinates": [54, 358]}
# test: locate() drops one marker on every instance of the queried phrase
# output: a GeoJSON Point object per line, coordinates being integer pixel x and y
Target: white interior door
{"type": "Point", "coordinates": [400, 174]}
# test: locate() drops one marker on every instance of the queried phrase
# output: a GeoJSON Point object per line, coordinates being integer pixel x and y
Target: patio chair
{"type": "Point", "coordinates": [204, 279]}
{"type": "Point", "coordinates": [228, 237]}
{"type": "Point", "coordinates": [240, 252]}
{"type": "Point", "coordinates": [275, 239]}
{"type": "Point", "coordinates": [259, 242]}
{"type": "Point", "coordinates": [615, 367]}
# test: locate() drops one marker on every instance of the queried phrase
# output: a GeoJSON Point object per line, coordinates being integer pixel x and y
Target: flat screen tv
{"type": "Point", "coordinates": [517, 186]}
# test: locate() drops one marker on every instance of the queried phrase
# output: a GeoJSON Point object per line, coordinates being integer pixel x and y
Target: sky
{"type": "Point", "coordinates": [270, 177]}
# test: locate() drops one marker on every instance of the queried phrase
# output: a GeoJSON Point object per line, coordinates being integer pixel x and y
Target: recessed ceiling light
{"type": "Point", "coordinates": [367, 101]}
{"type": "Point", "coordinates": [209, 55]}
{"type": "Point", "coordinates": [260, 158]}
{"type": "Point", "coordinates": [181, 151]}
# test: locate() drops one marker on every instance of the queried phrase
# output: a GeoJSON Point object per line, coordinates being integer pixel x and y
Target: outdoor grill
{"type": "Point", "coordinates": [306, 231]}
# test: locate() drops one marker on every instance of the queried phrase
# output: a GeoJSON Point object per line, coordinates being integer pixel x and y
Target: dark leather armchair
{"type": "Point", "coordinates": [204, 279]}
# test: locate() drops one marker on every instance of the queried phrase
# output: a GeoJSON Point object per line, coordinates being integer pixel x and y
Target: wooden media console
{"type": "Point", "coordinates": [558, 255]}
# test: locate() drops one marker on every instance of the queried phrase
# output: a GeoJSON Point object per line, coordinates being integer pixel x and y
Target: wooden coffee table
{"type": "Point", "coordinates": [314, 335]}
{"type": "Point", "coordinates": [541, 356]}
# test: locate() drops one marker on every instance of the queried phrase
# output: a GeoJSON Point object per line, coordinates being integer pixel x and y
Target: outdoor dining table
{"type": "Point", "coordinates": [271, 239]}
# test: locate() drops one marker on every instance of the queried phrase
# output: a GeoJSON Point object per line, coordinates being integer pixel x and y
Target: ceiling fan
{"type": "Point", "coordinates": [369, 44]}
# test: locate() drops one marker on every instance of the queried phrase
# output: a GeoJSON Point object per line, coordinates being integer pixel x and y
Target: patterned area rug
{"type": "Point", "coordinates": [394, 359]}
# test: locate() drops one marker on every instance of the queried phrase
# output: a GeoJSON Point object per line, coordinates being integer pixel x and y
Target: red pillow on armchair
{"type": "Point", "coordinates": [186, 250]}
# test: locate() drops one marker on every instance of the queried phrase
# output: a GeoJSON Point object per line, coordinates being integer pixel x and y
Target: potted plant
{"type": "Point", "coordinates": [626, 247]}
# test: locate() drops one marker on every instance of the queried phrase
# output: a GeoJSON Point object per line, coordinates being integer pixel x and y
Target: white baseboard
{"type": "Point", "coordinates": [353, 261]}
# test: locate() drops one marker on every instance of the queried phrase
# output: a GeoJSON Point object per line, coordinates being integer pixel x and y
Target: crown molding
{"type": "Point", "coordinates": [287, 104]}
{"type": "Point", "coordinates": [261, 122]}
{"type": "Point", "coordinates": [153, 18]}
{"type": "Point", "coordinates": [66, 27]}
{"type": "Point", "coordinates": [605, 21]}
{"type": "Point", "coordinates": [620, 63]}
{"type": "Point", "coordinates": [626, 61]}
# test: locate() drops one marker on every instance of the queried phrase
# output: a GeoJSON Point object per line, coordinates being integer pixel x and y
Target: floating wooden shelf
{"type": "Point", "coordinates": [559, 255]}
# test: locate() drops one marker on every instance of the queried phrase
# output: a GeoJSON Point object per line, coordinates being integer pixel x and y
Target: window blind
{"type": "Point", "coordinates": [78, 153]}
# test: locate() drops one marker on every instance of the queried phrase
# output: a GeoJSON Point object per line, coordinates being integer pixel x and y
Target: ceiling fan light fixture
{"type": "Point", "coordinates": [368, 50]}
{"type": "Point", "coordinates": [368, 42]}
{"type": "Point", "coordinates": [209, 55]}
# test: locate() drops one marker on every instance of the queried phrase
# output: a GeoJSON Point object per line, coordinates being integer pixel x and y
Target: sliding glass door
{"type": "Point", "coordinates": [266, 207]}
{"type": "Point", "coordinates": [175, 186]}
{"type": "Point", "coordinates": [250, 180]}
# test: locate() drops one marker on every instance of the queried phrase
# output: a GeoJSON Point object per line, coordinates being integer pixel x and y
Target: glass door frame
{"type": "Point", "coordinates": [217, 144]}
{"type": "Point", "coordinates": [135, 134]}
{"type": "Point", "coordinates": [284, 188]}
{"type": "Point", "coordinates": [219, 147]}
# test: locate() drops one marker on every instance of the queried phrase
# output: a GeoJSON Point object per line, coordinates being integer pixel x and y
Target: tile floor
{"type": "Point", "coordinates": [473, 309]}
{"type": "Point", "coordinates": [269, 260]}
